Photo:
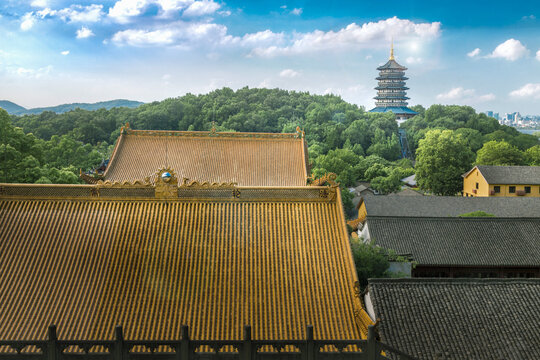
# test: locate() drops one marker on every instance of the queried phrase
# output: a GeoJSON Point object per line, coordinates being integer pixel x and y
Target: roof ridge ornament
{"type": "Point", "coordinates": [392, 50]}
{"type": "Point", "coordinates": [328, 179]}
{"type": "Point", "coordinates": [125, 128]}
{"type": "Point", "coordinates": [166, 183]}
{"type": "Point", "coordinates": [300, 133]}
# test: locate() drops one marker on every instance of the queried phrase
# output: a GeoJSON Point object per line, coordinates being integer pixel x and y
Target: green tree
{"type": "Point", "coordinates": [371, 261]}
{"type": "Point", "coordinates": [532, 155]}
{"type": "Point", "coordinates": [441, 158]}
{"type": "Point", "coordinates": [499, 153]}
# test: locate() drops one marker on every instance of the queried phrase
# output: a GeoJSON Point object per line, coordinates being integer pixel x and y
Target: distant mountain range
{"type": "Point", "coordinates": [14, 109]}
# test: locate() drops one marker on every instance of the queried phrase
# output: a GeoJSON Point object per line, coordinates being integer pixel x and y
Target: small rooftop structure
{"type": "Point", "coordinates": [480, 319]}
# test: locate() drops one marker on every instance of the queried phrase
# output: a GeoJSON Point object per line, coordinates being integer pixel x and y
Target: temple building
{"type": "Point", "coordinates": [235, 237]}
{"type": "Point", "coordinates": [391, 91]}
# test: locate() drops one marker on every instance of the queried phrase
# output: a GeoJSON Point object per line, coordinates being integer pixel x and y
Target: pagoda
{"type": "Point", "coordinates": [391, 91]}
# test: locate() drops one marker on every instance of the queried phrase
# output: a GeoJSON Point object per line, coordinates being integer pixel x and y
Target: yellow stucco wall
{"type": "Point", "coordinates": [470, 181]}
{"type": "Point", "coordinates": [484, 189]}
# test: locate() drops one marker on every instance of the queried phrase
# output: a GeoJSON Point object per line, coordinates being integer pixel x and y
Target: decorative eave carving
{"type": "Point", "coordinates": [166, 184]}
{"type": "Point", "coordinates": [89, 179]}
{"type": "Point", "coordinates": [328, 179]}
{"type": "Point", "coordinates": [192, 184]}
{"type": "Point", "coordinates": [124, 184]}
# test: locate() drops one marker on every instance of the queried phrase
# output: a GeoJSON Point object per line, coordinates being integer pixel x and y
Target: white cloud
{"type": "Point", "coordinates": [27, 21]}
{"type": "Point", "coordinates": [461, 95]}
{"type": "Point", "coordinates": [474, 53]}
{"type": "Point", "coordinates": [265, 37]}
{"type": "Point", "coordinates": [224, 13]}
{"type": "Point", "coordinates": [179, 33]}
{"type": "Point", "coordinates": [527, 91]}
{"type": "Point", "coordinates": [124, 10]}
{"type": "Point", "coordinates": [538, 55]}
{"type": "Point", "coordinates": [173, 5]}
{"type": "Point", "coordinates": [201, 8]}
{"type": "Point", "coordinates": [289, 73]}
{"type": "Point", "coordinates": [297, 11]}
{"type": "Point", "coordinates": [40, 3]}
{"type": "Point", "coordinates": [190, 34]}
{"type": "Point", "coordinates": [510, 50]}
{"type": "Point", "coordinates": [354, 36]}
{"type": "Point", "coordinates": [65, 52]}
{"type": "Point", "coordinates": [84, 33]}
{"type": "Point", "coordinates": [78, 13]}
{"type": "Point", "coordinates": [32, 73]}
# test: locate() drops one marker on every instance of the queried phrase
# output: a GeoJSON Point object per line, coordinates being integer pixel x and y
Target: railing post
{"type": "Point", "coordinates": [310, 343]}
{"type": "Point", "coordinates": [184, 344]}
{"type": "Point", "coordinates": [246, 346]}
{"type": "Point", "coordinates": [371, 344]}
{"type": "Point", "coordinates": [118, 343]}
{"type": "Point", "coordinates": [52, 351]}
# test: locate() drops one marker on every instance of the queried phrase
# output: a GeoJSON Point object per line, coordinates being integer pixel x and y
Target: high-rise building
{"type": "Point", "coordinates": [391, 91]}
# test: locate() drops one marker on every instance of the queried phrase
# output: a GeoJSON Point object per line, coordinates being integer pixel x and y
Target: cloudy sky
{"type": "Point", "coordinates": [480, 53]}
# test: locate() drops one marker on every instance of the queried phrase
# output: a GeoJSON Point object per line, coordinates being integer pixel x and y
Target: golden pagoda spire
{"type": "Point", "coordinates": [392, 50]}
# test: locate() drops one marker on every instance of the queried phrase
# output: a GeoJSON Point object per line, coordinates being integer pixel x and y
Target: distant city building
{"type": "Point", "coordinates": [492, 114]}
{"type": "Point", "coordinates": [391, 91]}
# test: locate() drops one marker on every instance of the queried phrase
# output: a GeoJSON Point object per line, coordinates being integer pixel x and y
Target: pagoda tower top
{"type": "Point", "coordinates": [392, 51]}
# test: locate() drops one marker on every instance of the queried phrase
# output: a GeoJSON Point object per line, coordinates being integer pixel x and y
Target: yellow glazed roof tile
{"type": "Point", "coordinates": [87, 264]}
{"type": "Point", "coordinates": [248, 159]}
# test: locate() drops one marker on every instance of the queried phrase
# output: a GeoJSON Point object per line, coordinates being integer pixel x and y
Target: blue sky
{"type": "Point", "coordinates": [480, 53]}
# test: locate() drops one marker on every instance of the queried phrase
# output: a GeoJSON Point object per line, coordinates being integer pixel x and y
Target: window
{"type": "Point", "coordinates": [497, 189]}
{"type": "Point", "coordinates": [512, 189]}
{"type": "Point", "coordinates": [527, 189]}
{"type": "Point", "coordinates": [477, 186]}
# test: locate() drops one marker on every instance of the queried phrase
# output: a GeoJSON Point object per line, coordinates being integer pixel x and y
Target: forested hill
{"type": "Point", "coordinates": [342, 137]}
{"type": "Point", "coordinates": [14, 109]}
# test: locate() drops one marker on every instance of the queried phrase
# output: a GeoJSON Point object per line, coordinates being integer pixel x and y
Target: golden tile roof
{"type": "Point", "coordinates": [248, 159]}
{"type": "Point", "coordinates": [214, 257]}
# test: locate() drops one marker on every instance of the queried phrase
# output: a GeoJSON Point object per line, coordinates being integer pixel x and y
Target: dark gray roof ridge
{"type": "Point", "coordinates": [457, 280]}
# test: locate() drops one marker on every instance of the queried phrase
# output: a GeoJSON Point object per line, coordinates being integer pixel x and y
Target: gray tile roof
{"type": "Point", "coordinates": [526, 175]}
{"type": "Point", "coordinates": [459, 318]}
{"type": "Point", "coordinates": [445, 206]}
{"type": "Point", "coordinates": [460, 241]}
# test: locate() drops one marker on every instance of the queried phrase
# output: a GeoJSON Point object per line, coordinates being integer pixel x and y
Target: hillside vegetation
{"type": "Point", "coordinates": [342, 138]}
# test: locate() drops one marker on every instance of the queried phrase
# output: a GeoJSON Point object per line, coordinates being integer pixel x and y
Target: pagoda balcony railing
{"type": "Point", "coordinates": [391, 77]}
{"type": "Point", "coordinates": [391, 81]}
{"type": "Point", "coordinates": [187, 349]}
{"type": "Point", "coordinates": [390, 97]}
{"type": "Point", "coordinates": [387, 104]}
{"type": "Point", "coordinates": [392, 87]}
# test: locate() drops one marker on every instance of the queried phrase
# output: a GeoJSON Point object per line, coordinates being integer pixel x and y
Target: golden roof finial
{"type": "Point", "coordinates": [392, 50]}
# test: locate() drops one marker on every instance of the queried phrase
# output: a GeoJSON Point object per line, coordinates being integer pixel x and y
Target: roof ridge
{"type": "Point", "coordinates": [454, 280]}
{"type": "Point", "coordinates": [219, 134]}
{"type": "Point", "coordinates": [456, 218]}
